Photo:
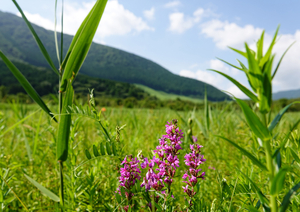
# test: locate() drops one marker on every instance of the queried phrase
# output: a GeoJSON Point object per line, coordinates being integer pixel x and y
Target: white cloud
{"type": "Point", "coordinates": [179, 23]}
{"type": "Point", "coordinates": [149, 14]}
{"type": "Point", "coordinates": [172, 4]}
{"type": "Point", "coordinates": [187, 73]}
{"type": "Point", "coordinates": [116, 20]}
{"type": "Point", "coordinates": [230, 34]}
{"type": "Point", "coordinates": [38, 20]}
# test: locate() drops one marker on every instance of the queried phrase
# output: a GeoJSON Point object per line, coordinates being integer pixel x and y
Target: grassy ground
{"type": "Point", "coordinates": [90, 184]}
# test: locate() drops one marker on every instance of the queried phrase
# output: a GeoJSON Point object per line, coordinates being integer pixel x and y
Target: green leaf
{"type": "Point", "coordinates": [118, 198]}
{"type": "Point", "coordinates": [251, 208]}
{"type": "Point", "coordinates": [108, 148]}
{"type": "Point", "coordinates": [43, 189]}
{"type": "Point", "coordinates": [240, 86]}
{"type": "Point", "coordinates": [240, 52]}
{"type": "Point", "coordinates": [246, 153]}
{"type": "Point", "coordinates": [255, 74]}
{"type": "Point", "coordinates": [261, 196]}
{"type": "Point", "coordinates": [279, 116]}
{"type": "Point", "coordinates": [37, 39]}
{"type": "Point", "coordinates": [295, 156]}
{"type": "Point", "coordinates": [276, 69]}
{"type": "Point", "coordinates": [269, 52]}
{"type": "Point", "coordinates": [102, 150]}
{"type": "Point", "coordinates": [26, 85]}
{"type": "Point", "coordinates": [95, 151]}
{"type": "Point", "coordinates": [231, 64]}
{"type": "Point", "coordinates": [82, 42]}
{"type": "Point", "coordinates": [206, 111]}
{"type": "Point", "coordinates": [114, 148]}
{"type": "Point", "coordinates": [278, 181]}
{"type": "Point", "coordinates": [266, 95]}
{"type": "Point", "coordinates": [88, 154]}
{"type": "Point", "coordinates": [253, 121]}
{"type": "Point", "coordinates": [64, 126]}
{"type": "Point", "coordinates": [277, 158]}
{"type": "Point", "coordinates": [260, 44]}
{"type": "Point", "coordinates": [286, 200]}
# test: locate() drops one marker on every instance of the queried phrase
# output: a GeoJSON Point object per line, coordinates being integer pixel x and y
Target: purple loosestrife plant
{"type": "Point", "coordinates": [130, 174]}
{"type": "Point", "coordinates": [167, 162]}
{"type": "Point", "coordinates": [193, 160]}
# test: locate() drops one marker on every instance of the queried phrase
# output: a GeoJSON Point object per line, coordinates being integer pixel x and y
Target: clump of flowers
{"type": "Point", "coordinates": [167, 160]}
{"type": "Point", "coordinates": [193, 160]}
{"type": "Point", "coordinates": [130, 173]}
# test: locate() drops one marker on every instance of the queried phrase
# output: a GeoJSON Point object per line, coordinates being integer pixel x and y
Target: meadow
{"type": "Point", "coordinates": [240, 155]}
{"type": "Point", "coordinates": [91, 184]}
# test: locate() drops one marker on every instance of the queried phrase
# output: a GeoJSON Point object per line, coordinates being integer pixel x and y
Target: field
{"type": "Point", "coordinates": [90, 185]}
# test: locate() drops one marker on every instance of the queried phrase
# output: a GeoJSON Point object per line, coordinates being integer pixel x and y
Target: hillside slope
{"type": "Point", "coordinates": [102, 61]}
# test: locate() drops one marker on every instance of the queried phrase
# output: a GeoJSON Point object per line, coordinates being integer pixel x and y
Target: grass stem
{"type": "Point", "coordinates": [61, 183]}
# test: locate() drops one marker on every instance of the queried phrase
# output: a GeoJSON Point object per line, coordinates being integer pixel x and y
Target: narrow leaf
{"type": "Point", "coordinates": [95, 151]}
{"type": "Point", "coordinates": [88, 154]}
{"type": "Point", "coordinates": [26, 85]}
{"type": "Point", "coordinates": [37, 39]}
{"type": "Point", "coordinates": [253, 121]}
{"type": "Point", "coordinates": [276, 69]}
{"type": "Point", "coordinates": [102, 150]}
{"type": "Point", "coordinates": [240, 52]}
{"type": "Point", "coordinates": [206, 111]}
{"type": "Point", "coordinates": [239, 85]}
{"type": "Point", "coordinates": [64, 127]}
{"type": "Point", "coordinates": [286, 200]}
{"type": "Point", "coordinates": [278, 181]}
{"type": "Point", "coordinates": [269, 52]}
{"type": "Point", "coordinates": [114, 150]}
{"type": "Point", "coordinates": [43, 189]}
{"type": "Point", "coordinates": [261, 196]}
{"type": "Point", "coordinates": [254, 71]}
{"type": "Point", "coordinates": [108, 148]}
{"type": "Point", "coordinates": [246, 153]}
{"type": "Point", "coordinates": [279, 116]}
{"type": "Point", "coordinates": [83, 40]}
{"type": "Point", "coordinates": [231, 64]}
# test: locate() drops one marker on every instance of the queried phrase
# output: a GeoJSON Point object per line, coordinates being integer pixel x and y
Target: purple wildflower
{"type": "Point", "coordinates": [130, 173]}
{"type": "Point", "coordinates": [167, 161]}
{"type": "Point", "coordinates": [193, 160]}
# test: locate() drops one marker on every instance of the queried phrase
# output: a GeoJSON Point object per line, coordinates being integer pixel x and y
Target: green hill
{"type": "Point", "coordinates": [102, 61]}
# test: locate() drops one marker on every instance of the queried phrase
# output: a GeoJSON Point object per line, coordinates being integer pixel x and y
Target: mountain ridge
{"type": "Point", "coordinates": [102, 61]}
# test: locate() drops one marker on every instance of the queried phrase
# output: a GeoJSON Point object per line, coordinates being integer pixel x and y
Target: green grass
{"type": "Point", "coordinates": [166, 96]}
{"type": "Point", "coordinates": [92, 184]}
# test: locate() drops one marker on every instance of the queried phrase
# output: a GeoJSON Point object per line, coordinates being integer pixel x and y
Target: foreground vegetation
{"type": "Point", "coordinates": [91, 184]}
{"type": "Point", "coordinates": [130, 177]}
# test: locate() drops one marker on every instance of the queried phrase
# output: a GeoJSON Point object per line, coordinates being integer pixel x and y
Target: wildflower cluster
{"type": "Point", "coordinates": [167, 160]}
{"type": "Point", "coordinates": [193, 161]}
{"type": "Point", "coordinates": [130, 173]}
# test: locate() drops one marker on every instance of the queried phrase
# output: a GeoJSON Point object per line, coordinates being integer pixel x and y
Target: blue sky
{"type": "Point", "coordinates": [185, 37]}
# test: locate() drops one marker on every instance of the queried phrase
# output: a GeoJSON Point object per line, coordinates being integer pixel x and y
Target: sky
{"type": "Point", "coordinates": [187, 37]}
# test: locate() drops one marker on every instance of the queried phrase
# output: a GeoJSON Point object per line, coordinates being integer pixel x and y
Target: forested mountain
{"type": "Point", "coordinates": [102, 61]}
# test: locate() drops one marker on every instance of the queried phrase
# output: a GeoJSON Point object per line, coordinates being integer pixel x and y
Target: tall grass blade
{"type": "Point", "coordinates": [81, 43]}
{"type": "Point", "coordinates": [279, 116]}
{"type": "Point", "coordinates": [18, 123]}
{"type": "Point", "coordinates": [55, 33]}
{"type": "Point", "coordinates": [64, 127]}
{"type": "Point", "coordinates": [269, 51]}
{"type": "Point", "coordinates": [278, 181]}
{"type": "Point", "coordinates": [276, 69]}
{"type": "Point", "coordinates": [44, 190]}
{"type": "Point", "coordinates": [239, 85]}
{"type": "Point", "coordinates": [206, 112]}
{"type": "Point", "coordinates": [253, 121]}
{"type": "Point", "coordinates": [246, 153]}
{"type": "Point", "coordinates": [240, 52]}
{"type": "Point", "coordinates": [26, 85]}
{"type": "Point", "coordinates": [286, 200]}
{"type": "Point", "coordinates": [37, 39]}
